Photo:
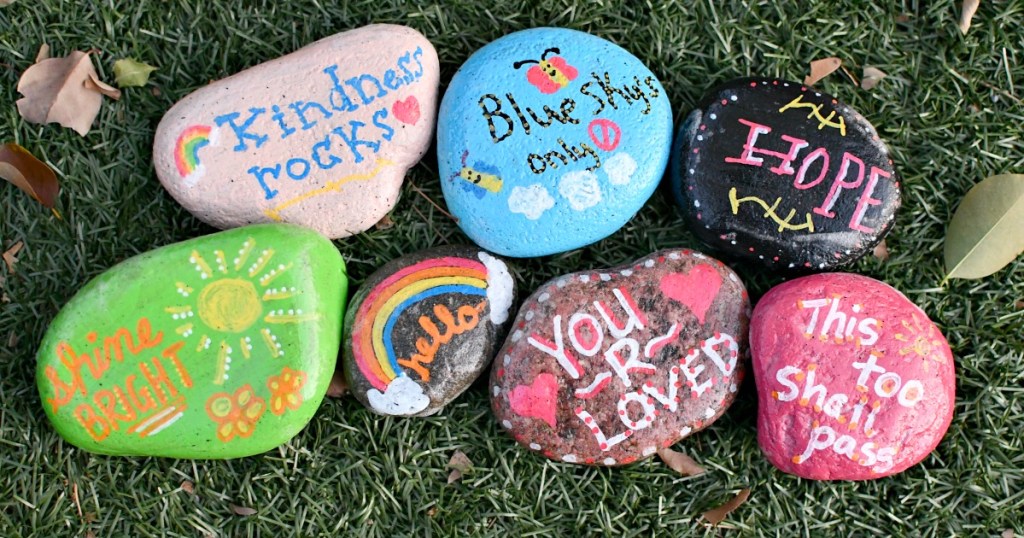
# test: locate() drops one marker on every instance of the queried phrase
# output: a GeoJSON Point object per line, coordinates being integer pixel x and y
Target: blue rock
{"type": "Point", "coordinates": [550, 139]}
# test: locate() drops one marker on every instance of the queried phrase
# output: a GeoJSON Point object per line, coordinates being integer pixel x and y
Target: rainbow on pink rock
{"type": "Point", "coordinates": [186, 151]}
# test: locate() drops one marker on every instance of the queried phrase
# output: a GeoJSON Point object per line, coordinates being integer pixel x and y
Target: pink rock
{"type": "Point", "coordinates": [854, 381]}
{"type": "Point", "coordinates": [321, 137]}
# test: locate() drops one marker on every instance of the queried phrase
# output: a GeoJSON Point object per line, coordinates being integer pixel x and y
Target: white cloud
{"type": "Point", "coordinates": [580, 189]}
{"type": "Point", "coordinates": [620, 168]}
{"type": "Point", "coordinates": [499, 287]}
{"type": "Point", "coordinates": [402, 397]}
{"type": "Point", "coordinates": [531, 201]}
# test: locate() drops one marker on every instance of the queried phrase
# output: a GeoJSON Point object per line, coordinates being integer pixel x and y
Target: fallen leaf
{"type": "Point", "coordinates": [95, 84]}
{"type": "Point", "coordinates": [680, 463]}
{"type": "Point", "coordinates": [881, 251]}
{"type": "Point", "coordinates": [242, 510]}
{"type": "Point", "coordinates": [718, 515]}
{"type": "Point", "coordinates": [187, 486]}
{"type": "Point", "coordinates": [11, 256]}
{"type": "Point", "coordinates": [12, 340]}
{"type": "Point", "coordinates": [29, 174]}
{"type": "Point", "coordinates": [44, 53]}
{"type": "Point", "coordinates": [128, 72]}
{"type": "Point", "coordinates": [903, 18]}
{"type": "Point", "coordinates": [872, 76]}
{"type": "Point", "coordinates": [967, 12]}
{"type": "Point", "coordinates": [385, 223]}
{"type": "Point", "coordinates": [821, 69]}
{"type": "Point", "coordinates": [5, 3]}
{"type": "Point", "coordinates": [338, 387]}
{"type": "Point", "coordinates": [460, 465]}
{"type": "Point", "coordinates": [1007, 533]}
{"type": "Point", "coordinates": [59, 90]}
{"type": "Point", "coordinates": [985, 233]}
{"type": "Point", "coordinates": [1018, 304]}
{"type": "Point", "coordinates": [90, 534]}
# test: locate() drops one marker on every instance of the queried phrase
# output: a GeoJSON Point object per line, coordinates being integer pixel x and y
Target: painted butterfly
{"type": "Point", "coordinates": [550, 74]}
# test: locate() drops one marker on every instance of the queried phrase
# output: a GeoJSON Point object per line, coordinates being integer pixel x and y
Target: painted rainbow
{"type": "Point", "coordinates": [186, 150]}
{"type": "Point", "coordinates": [371, 341]}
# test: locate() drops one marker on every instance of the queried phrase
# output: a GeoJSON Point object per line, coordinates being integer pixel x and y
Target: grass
{"type": "Point", "coordinates": [950, 109]}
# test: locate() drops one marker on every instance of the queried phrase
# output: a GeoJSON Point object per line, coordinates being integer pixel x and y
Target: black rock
{"type": "Point", "coordinates": [774, 172]}
{"type": "Point", "coordinates": [423, 327]}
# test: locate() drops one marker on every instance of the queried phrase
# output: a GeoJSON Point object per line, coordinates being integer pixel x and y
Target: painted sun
{"type": "Point", "coordinates": [920, 340]}
{"type": "Point", "coordinates": [235, 305]}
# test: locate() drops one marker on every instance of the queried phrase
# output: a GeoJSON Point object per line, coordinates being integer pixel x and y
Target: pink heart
{"type": "Point", "coordinates": [696, 289]}
{"type": "Point", "coordinates": [407, 111]}
{"type": "Point", "coordinates": [536, 400]}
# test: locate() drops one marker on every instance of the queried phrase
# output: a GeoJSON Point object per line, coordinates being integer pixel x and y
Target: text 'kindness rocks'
{"type": "Point", "coordinates": [217, 347]}
{"type": "Point", "coordinates": [783, 175]}
{"type": "Point", "coordinates": [550, 139]}
{"type": "Point", "coordinates": [605, 367]}
{"type": "Point", "coordinates": [854, 381]}
{"type": "Point", "coordinates": [321, 137]}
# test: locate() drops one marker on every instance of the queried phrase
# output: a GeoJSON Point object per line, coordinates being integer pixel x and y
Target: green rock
{"type": "Point", "coordinates": [217, 347]}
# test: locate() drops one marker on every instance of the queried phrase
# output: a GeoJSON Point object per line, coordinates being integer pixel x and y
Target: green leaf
{"type": "Point", "coordinates": [128, 72]}
{"type": "Point", "coordinates": [987, 230]}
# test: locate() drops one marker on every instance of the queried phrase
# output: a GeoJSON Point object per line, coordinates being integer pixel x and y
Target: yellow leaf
{"type": "Point", "coordinates": [128, 72]}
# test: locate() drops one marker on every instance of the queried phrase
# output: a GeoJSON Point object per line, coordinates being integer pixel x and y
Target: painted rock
{"type": "Point", "coordinates": [421, 328]}
{"type": "Point", "coordinates": [854, 382]}
{"type": "Point", "coordinates": [780, 174]}
{"type": "Point", "coordinates": [321, 137]}
{"type": "Point", "coordinates": [216, 347]}
{"type": "Point", "coordinates": [605, 367]}
{"type": "Point", "coordinates": [550, 139]}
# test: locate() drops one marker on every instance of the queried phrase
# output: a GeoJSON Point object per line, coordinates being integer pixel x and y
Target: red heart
{"type": "Point", "coordinates": [407, 111]}
{"type": "Point", "coordinates": [696, 289]}
{"type": "Point", "coordinates": [536, 400]}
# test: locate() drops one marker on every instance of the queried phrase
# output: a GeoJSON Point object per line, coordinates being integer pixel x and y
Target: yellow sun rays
{"type": "Point", "coordinates": [920, 341]}
{"type": "Point", "coordinates": [229, 305]}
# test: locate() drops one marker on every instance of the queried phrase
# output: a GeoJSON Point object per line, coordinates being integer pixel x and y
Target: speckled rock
{"type": "Point", "coordinates": [423, 327]}
{"type": "Point", "coordinates": [604, 367]}
{"type": "Point", "coordinates": [782, 175]}
{"type": "Point", "coordinates": [321, 137]}
{"type": "Point", "coordinates": [854, 381]}
{"type": "Point", "coordinates": [217, 347]}
{"type": "Point", "coordinates": [550, 139]}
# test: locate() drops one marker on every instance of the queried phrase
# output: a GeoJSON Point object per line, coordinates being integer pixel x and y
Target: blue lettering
{"type": "Point", "coordinates": [240, 130]}
{"type": "Point", "coordinates": [279, 118]}
{"type": "Point", "coordinates": [357, 84]}
{"type": "Point", "coordinates": [261, 174]}
{"type": "Point", "coordinates": [403, 60]}
{"type": "Point", "coordinates": [353, 141]}
{"type": "Point", "coordinates": [392, 80]}
{"type": "Point", "coordinates": [388, 131]}
{"type": "Point", "coordinates": [297, 176]}
{"type": "Point", "coordinates": [338, 99]}
{"type": "Point", "coordinates": [325, 145]}
{"type": "Point", "coordinates": [300, 109]}
{"type": "Point", "coordinates": [416, 55]}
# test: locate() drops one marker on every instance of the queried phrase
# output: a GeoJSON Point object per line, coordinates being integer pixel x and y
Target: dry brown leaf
{"type": "Point", "coordinates": [29, 174]}
{"type": "Point", "coordinates": [460, 465]}
{"type": "Point", "coordinates": [187, 486]}
{"type": "Point", "coordinates": [967, 12]}
{"type": "Point", "coordinates": [1019, 305]}
{"type": "Point", "coordinates": [718, 515]}
{"type": "Point", "coordinates": [11, 256]}
{"type": "Point", "coordinates": [338, 387]}
{"type": "Point", "coordinates": [1007, 533]}
{"type": "Point", "coordinates": [44, 53]}
{"type": "Point", "coordinates": [903, 18]}
{"type": "Point", "coordinates": [59, 90]}
{"type": "Point", "coordinates": [385, 223]}
{"type": "Point", "coordinates": [680, 463]}
{"type": "Point", "coordinates": [90, 534]}
{"type": "Point", "coordinates": [881, 251]}
{"type": "Point", "coordinates": [12, 340]}
{"type": "Point", "coordinates": [95, 84]}
{"type": "Point", "coordinates": [821, 69]}
{"type": "Point", "coordinates": [872, 76]}
{"type": "Point", "coordinates": [242, 510]}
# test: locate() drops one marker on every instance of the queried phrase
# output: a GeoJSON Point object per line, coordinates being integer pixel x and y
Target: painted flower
{"type": "Point", "coordinates": [285, 390]}
{"type": "Point", "coordinates": [236, 414]}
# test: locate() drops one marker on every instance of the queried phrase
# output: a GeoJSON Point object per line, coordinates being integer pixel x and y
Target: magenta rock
{"type": "Point", "coordinates": [854, 381]}
{"type": "Point", "coordinates": [605, 367]}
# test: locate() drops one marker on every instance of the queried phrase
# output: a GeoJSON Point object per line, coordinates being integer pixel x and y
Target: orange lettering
{"type": "Point", "coordinates": [107, 402]}
{"type": "Point", "coordinates": [468, 318]}
{"type": "Point", "coordinates": [88, 421]}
